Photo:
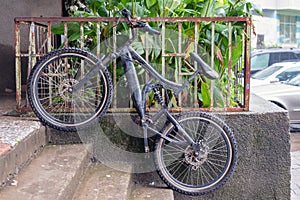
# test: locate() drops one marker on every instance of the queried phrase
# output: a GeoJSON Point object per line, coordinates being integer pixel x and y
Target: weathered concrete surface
{"type": "Point", "coordinates": [263, 169]}
{"type": "Point", "coordinates": [150, 186]}
{"type": "Point", "coordinates": [148, 192]}
{"type": "Point", "coordinates": [20, 142]}
{"type": "Point", "coordinates": [55, 174]}
{"type": "Point", "coordinates": [103, 183]}
{"type": "Point", "coordinates": [262, 134]}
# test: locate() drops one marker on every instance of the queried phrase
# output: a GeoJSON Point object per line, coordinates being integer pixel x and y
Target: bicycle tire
{"type": "Point", "coordinates": [187, 173]}
{"type": "Point", "coordinates": [51, 98]}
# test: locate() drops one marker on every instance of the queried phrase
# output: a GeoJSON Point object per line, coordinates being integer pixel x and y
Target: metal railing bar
{"type": "Point", "coordinates": [212, 83]}
{"type": "Point", "coordinates": [229, 64]}
{"type": "Point", "coordinates": [146, 19]}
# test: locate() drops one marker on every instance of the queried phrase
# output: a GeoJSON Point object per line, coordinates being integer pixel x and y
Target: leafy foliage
{"type": "Point", "coordinates": [175, 8]}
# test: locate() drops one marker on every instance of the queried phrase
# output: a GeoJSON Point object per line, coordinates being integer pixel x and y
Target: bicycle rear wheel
{"type": "Point", "coordinates": [193, 173]}
{"type": "Point", "coordinates": [50, 90]}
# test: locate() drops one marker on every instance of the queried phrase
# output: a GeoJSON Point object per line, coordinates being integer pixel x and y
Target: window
{"type": "Point", "coordinates": [287, 29]}
{"type": "Point", "coordinates": [262, 75]}
{"type": "Point", "coordinates": [260, 61]}
{"type": "Point", "coordinates": [289, 74]}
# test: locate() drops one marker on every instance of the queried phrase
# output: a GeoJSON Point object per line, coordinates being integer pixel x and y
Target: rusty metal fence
{"type": "Point", "coordinates": [34, 38]}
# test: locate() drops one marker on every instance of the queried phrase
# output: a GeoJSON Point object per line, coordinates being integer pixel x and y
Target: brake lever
{"type": "Point", "coordinates": [126, 13]}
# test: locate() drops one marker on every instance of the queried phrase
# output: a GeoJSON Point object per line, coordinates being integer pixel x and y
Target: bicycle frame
{"type": "Point", "coordinates": [128, 55]}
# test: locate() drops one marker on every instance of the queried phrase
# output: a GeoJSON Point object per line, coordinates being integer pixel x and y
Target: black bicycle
{"type": "Point", "coordinates": [71, 88]}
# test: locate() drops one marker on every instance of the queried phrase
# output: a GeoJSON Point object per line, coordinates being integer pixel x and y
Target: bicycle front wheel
{"type": "Point", "coordinates": [50, 89]}
{"type": "Point", "coordinates": [196, 172]}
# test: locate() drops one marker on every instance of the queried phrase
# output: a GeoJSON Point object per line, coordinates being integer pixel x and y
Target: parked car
{"type": "Point", "coordinates": [263, 58]}
{"type": "Point", "coordinates": [276, 73]}
{"type": "Point", "coordinates": [284, 94]}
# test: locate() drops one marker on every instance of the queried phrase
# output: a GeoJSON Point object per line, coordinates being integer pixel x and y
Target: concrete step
{"type": "Point", "coordinates": [20, 142]}
{"type": "Point", "coordinates": [104, 183]}
{"type": "Point", "coordinates": [55, 174]}
{"type": "Point", "coordinates": [142, 192]}
{"type": "Point", "coordinates": [150, 186]}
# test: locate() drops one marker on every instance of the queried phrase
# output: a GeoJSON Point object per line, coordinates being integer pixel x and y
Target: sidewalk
{"type": "Point", "coordinates": [295, 166]}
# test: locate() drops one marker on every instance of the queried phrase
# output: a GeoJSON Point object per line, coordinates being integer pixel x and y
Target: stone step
{"type": "Point", "coordinates": [55, 174]}
{"type": "Point", "coordinates": [20, 142]}
{"type": "Point", "coordinates": [150, 186]}
{"type": "Point", "coordinates": [141, 192]}
{"type": "Point", "coordinates": [104, 183]}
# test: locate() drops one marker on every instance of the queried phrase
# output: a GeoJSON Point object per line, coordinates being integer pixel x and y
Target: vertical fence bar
{"type": "Point", "coordinates": [98, 40]}
{"type": "Point", "coordinates": [65, 34]}
{"type": "Point", "coordinates": [18, 64]}
{"type": "Point", "coordinates": [212, 84]}
{"type": "Point", "coordinates": [179, 60]}
{"type": "Point", "coordinates": [195, 98]}
{"type": "Point", "coordinates": [146, 36]}
{"type": "Point", "coordinates": [247, 65]}
{"type": "Point", "coordinates": [49, 38]}
{"type": "Point", "coordinates": [229, 64]}
{"type": "Point", "coordinates": [163, 46]}
{"type": "Point", "coordinates": [115, 65]}
{"type": "Point", "coordinates": [81, 35]}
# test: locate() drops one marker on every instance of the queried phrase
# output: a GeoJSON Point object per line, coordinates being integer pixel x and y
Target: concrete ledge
{"type": "Point", "coordinates": [20, 142]}
{"type": "Point", "coordinates": [263, 169]}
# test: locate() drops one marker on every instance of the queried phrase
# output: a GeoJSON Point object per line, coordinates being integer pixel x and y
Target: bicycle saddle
{"type": "Point", "coordinates": [204, 68]}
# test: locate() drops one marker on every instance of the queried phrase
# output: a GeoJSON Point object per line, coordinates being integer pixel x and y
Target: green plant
{"type": "Point", "coordinates": [175, 8]}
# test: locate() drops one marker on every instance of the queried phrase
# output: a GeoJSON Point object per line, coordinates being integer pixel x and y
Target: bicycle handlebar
{"type": "Point", "coordinates": [142, 25]}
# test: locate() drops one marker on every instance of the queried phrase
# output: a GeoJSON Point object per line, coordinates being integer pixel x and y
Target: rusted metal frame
{"type": "Point", "coordinates": [163, 47]}
{"type": "Point", "coordinates": [115, 65]}
{"type": "Point", "coordinates": [81, 35]}
{"type": "Point", "coordinates": [229, 64]}
{"type": "Point", "coordinates": [151, 19]}
{"type": "Point", "coordinates": [98, 40]}
{"type": "Point", "coordinates": [247, 65]}
{"type": "Point", "coordinates": [179, 60]}
{"type": "Point", "coordinates": [18, 64]}
{"type": "Point", "coordinates": [179, 109]}
{"type": "Point", "coordinates": [146, 19]}
{"type": "Point", "coordinates": [65, 39]}
{"type": "Point", "coordinates": [32, 46]}
{"type": "Point", "coordinates": [49, 36]}
{"type": "Point", "coordinates": [212, 82]}
{"type": "Point", "coordinates": [195, 98]}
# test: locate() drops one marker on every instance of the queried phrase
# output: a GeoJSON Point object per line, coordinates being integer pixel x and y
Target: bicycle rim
{"type": "Point", "coordinates": [54, 102]}
{"type": "Point", "coordinates": [187, 173]}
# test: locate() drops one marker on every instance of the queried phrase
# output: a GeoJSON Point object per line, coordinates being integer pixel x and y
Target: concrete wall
{"type": "Point", "coordinates": [262, 134]}
{"type": "Point", "coordinates": [10, 9]}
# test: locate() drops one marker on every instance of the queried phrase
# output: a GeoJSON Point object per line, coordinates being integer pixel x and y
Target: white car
{"type": "Point", "coordinates": [284, 94]}
{"type": "Point", "coordinates": [277, 72]}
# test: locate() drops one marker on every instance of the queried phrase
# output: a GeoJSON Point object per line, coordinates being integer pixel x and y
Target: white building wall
{"type": "Point", "coordinates": [278, 4]}
{"type": "Point", "coordinates": [265, 26]}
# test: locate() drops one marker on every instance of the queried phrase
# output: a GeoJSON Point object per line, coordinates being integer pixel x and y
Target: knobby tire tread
{"type": "Point", "coordinates": [233, 160]}
{"type": "Point", "coordinates": [44, 59]}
